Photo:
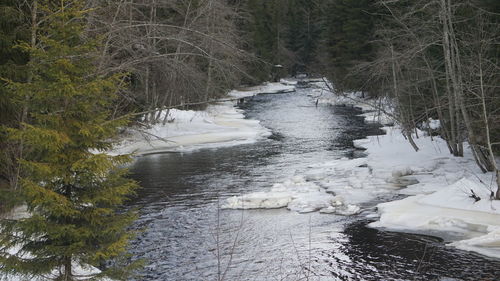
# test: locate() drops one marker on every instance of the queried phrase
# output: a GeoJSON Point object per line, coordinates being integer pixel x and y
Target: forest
{"type": "Point", "coordinates": [75, 73]}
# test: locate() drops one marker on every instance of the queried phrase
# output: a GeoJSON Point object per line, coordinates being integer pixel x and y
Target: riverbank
{"type": "Point", "coordinates": [449, 196]}
{"type": "Point", "coordinates": [220, 124]}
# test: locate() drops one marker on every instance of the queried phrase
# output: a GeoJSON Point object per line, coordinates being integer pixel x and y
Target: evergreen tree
{"type": "Point", "coordinates": [71, 188]}
{"type": "Point", "coordinates": [348, 35]}
{"type": "Point", "coordinates": [13, 29]}
{"type": "Point", "coordinates": [267, 32]}
{"type": "Point", "coordinates": [304, 27]}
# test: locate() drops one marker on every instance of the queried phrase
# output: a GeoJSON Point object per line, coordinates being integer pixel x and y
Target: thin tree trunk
{"type": "Point", "coordinates": [498, 185]}
{"type": "Point", "coordinates": [487, 127]}
{"type": "Point", "coordinates": [406, 131]}
{"type": "Point", "coordinates": [210, 50]}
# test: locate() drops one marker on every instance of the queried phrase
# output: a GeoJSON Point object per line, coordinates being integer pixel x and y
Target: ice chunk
{"type": "Point", "coordinates": [259, 200]}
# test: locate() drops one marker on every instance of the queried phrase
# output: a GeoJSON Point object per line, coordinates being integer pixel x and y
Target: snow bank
{"type": "Point", "coordinates": [441, 186]}
{"type": "Point", "coordinates": [220, 124]}
{"type": "Point", "coordinates": [285, 86]}
{"type": "Point", "coordinates": [452, 210]}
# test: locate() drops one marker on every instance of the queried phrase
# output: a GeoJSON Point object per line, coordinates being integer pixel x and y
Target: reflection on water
{"type": "Point", "coordinates": [187, 237]}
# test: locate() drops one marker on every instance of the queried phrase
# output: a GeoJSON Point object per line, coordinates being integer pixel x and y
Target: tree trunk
{"type": "Point", "coordinates": [406, 130]}
{"type": "Point", "coordinates": [498, 185]}
{"type": "Point", "coordinates": [68, 274]}
{"type": "Point", "coordinates": [211, 30]}
{"type": "Point", "coordinates": [489, 146]}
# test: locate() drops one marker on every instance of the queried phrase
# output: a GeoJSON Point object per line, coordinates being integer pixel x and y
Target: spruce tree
{"type": "Point", "coordinates": [13, 29]}
{"type": "Point", "coordinates": [348, 36]}
{"type": "Point", "coordinates": [72, 188]}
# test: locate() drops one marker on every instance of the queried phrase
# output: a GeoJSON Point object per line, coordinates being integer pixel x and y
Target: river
{"type": "Point", "coordinates": [187, 236]}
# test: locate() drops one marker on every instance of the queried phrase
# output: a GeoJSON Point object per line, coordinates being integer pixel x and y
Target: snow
{"type": "Point", "coordinates": [439, 185]}
{"type": "Point", "coordinates": [296, 194]}
{"type": "Point", "coordinates": [449, 209]}
{"type": "Point", "coordinates": [289, 82]}
{"type": "Point", "coordinates": [221, 124]}
{"type": "Point", "coordinates": [433, 124]}
{"type": "Point", "coordinates": [80, 271]}
{"type": "Point", "coordinates": [284, 86]}
{"type": "Point", "coordinates": [374, 110]}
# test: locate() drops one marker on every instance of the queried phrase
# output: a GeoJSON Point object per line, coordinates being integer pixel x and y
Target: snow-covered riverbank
{"type": "Point", "coordinates": [440, 186]}
{"type": "Point", "coordinates": [440, 201]}
{"type": "Point", "coordinates": [221, 124]}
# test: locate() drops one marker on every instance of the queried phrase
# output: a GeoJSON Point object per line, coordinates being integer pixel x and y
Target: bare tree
{"type": "Point", "coordinates": [436, 58]}
{"type": "Point", "coordinates": [176, 52]}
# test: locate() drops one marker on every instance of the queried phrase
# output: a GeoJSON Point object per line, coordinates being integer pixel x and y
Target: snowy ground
{"type": "Point", "coordinates": [284, 86]}
{"type": "Point", "coordinates": [440, 185]}
{"type": "Point", "coordinates": [220, 124]}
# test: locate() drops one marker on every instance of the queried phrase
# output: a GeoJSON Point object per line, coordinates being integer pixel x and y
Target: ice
{"type": "Point", "coordinates": [288, 82]}
{"type": "Point", "coordinates": [345, 210]}
{"type": "Point", "coordinates": [441, 185]}
{"type": "Point", "coordinates": [284, 86]}
{"type": "Point", "coordinates": [221, 124]}
{"type": "Point", "coordinates": [442, 199]}
{"type": "Point", "coordinates": [296, 194]}
{"type": "Point", "coordinates": [260, 200]}
{"type": "Point", "coordinates": [331, 187]}
{"type": "Point", "coordinates": [488, 244]}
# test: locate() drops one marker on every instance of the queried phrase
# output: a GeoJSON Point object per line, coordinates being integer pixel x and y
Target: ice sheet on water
{"type": "Point", "coordinates": [284, 86]}
{"type": "Point", "coordinates": [296, 194]}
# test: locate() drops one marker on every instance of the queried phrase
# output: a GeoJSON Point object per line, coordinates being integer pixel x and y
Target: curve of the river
{"type": "Point", "coordinates": [186, 236]}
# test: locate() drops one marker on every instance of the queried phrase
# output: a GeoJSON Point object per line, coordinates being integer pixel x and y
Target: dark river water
{"type": "Point", "coordinates": [187, 236]}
